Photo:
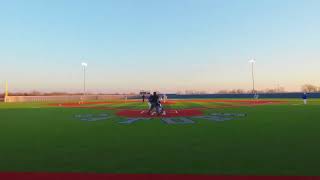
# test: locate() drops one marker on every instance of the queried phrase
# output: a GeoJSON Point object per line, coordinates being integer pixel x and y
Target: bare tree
{"type": "Point", "coordinates": [309, 88]}
{"type": "Point", "coordinates": [274, 90]}
{"type": "Point", "coordinates": [195, 92]}
{"type": "Point", "coordinates": [223, 92]}
{"type": "Point", "coordinates": [236, 91]}
{"type": "Point", "coordinates": [233, 91]}
{"type": "Point", "coordinates": [281, 89]}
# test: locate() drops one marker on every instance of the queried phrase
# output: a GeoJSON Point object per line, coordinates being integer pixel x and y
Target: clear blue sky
{"type": "Point", "coordinates": [165, 45]}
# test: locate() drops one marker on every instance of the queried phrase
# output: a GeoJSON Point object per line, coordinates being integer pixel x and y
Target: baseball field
{"type": "Point", "coordinates": [196, 136]}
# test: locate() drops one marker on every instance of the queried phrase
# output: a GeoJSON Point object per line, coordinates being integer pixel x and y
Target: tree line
{"type": "Point", "coordinates": [38, 93]}
{"type": "Point", "coordinates": [308, 88]}
{"type": "Point", "coordinates": [242, 91]}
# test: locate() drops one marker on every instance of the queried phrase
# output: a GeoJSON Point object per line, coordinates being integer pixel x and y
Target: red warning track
{"type": "Point", "coordinates": [80, 104]}
{"type": "Point", "coordinates": [87, 176]}
{"type": "Point", "coordinates": [187, 112]}
{"type": "Point", "coordinates": [233, 101]}
{"type": "Point", "coordinates": [168, 113]}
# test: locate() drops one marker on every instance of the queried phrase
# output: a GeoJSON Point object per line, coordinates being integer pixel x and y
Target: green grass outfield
{"type": "Point", "coordinates": [280, 139]}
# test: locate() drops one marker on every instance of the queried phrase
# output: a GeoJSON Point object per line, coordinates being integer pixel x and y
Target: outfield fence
{"type": "Point", "coordinates": [70, 98]}
{"type": "Point", "coordinates": [75, 98]}
{"type": "Point", "coordinates": [245, 96]}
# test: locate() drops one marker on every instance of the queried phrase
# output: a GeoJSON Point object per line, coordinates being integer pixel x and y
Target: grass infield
{"type": "Point", "coordinates": [274, 138]}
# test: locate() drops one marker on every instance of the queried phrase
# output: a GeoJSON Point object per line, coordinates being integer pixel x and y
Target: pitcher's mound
{"type": "Point", "coordinates": [167, 113]}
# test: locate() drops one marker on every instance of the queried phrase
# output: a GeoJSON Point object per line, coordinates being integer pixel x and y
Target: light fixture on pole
{"type": "Point", "coordinates": [84, 66]}
{"type": "Point", "coordinates": [252, 62]}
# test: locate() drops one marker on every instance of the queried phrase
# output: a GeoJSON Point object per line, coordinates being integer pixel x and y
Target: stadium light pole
{"type": "Point", "coordinates": [6, 90]}
{"type": "Point", "coordinates": [84, 66]}
{"type": "Point", "coordinates": [6, 94]}
{"type": "Point", "coordinates": [252, 62]}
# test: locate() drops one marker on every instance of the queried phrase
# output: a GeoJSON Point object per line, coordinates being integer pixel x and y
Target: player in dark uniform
{"type": "Point", "coordinates": [155, 103]}
{"type": "Point", "coordinates": [143, 97]}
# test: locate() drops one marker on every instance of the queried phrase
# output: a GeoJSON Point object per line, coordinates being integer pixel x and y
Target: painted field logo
{"type": "Point", "coordinates": [218, 117]}
{"type": "Point", "coordinates": [168, 113]}
{"type": "Point", "coordinates": [172, 117]}
{"type": "Point", "coordinates": [183, 116]}
{"type": "Point", "coordinates": [92, 117]}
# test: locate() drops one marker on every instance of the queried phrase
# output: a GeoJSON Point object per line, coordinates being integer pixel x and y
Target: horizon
{"type": "Point", "coordinates": [168, 46]}
{"type": "Point", "coordinates": [187, 91]}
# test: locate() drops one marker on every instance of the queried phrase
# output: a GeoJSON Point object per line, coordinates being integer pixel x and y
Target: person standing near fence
{"type": "Point", "coordinates": [305, 98]}
{"type": "Point", "coordinates": [143, 97]}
